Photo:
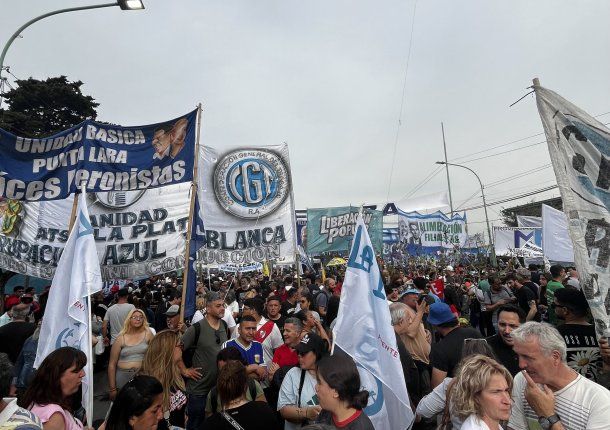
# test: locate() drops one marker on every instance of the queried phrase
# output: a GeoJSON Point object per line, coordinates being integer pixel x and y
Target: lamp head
{"type": "Point", "coordinates": [440, 162]}
{"type": "Point", "coordinates": [131, 4]}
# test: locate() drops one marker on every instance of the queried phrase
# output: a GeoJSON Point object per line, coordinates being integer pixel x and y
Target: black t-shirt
{"type": "Point", "coordinates": [533, 287]}
{"type": "Point", "coordinates": [358, 421]}
{"type": "Point", "coordinates": [447, 353]}
{"type": "Point", "coordinates": [583, 349]}
{"type": "Point", "coordinates": [251, 416]}
{"type": "Point", "coordinates": [12, 337]}
{"type": "Point", "coordinates": [280, 323]}
{"type": "Point", "coordinates": [524, 296]}
{"type": "Point", "coordinates": [504, 353]}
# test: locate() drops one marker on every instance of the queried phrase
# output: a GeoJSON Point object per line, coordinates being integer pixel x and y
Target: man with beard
{"type": "Point", "coordinates": [510, 317]}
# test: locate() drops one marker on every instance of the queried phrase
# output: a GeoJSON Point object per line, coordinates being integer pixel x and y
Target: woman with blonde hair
{"type": "Point", "coordinates": [161, 362]}
{"type": "Point", "coordinates": [128, 351]}
{"type": "Point", "coordinates": [481, 394]}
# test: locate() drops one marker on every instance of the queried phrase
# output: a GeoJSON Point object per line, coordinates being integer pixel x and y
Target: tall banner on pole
{"type": "Point", "coordinates": [579, 147]}
{"type": "Point", "coordinates": [556, 242]}
{"type": "Point", "coordinates": [99, 157]}
{"type": "Point", "coordinates": [373, 346]}
{"type": "Point", "coordinates": [67, 315]}
{"type": "Point", "coordinates": [518, 242]}
{"type": "Point", "coordinates": [246, 205]}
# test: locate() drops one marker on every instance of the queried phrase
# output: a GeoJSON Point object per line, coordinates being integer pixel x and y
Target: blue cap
{"type": "Point", "coordinates": [440, 313]}
{"type": "Point", "coordinates": [409, 291]}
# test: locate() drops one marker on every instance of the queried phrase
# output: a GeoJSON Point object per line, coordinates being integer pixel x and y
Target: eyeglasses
{"type": "Point", "coordinates": [137, 317]}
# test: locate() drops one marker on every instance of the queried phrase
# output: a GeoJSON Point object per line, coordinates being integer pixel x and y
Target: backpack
{"type": "Point", "coordinates": [187, 354]}
{"type": "Point", "coordinates": [214, 394]}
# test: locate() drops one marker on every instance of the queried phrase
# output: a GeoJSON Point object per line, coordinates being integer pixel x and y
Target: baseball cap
{"type": "Point", "coordinates": [311, 342]}
{"type": "Point", "coordinates": [449, 268]}
{"type": "Point", "coordinates": [172, 311]}
{"type": "Point", "coordinates": [440, 313]}
{"type": "Point", "coordinates": [409, 291]}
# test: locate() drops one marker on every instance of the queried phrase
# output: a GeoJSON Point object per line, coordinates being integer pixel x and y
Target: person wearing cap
{"type": "Point", "coordinates": [297, 402]}
{"type": "Point", "coordinates": [115, 316]}
{"type": "Point", "coordinates": [583, 349]}
{"type": "Point", "coordinates": [172, 316]}
{"type": "Point", "coordinates": [447, 353]}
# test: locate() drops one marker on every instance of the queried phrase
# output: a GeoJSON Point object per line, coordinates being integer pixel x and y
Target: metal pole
{"type": "Point", "coordinates": [447, 170]}
{"type": "Point", "coordinates": [493, 251]}
{"type": "Point", "coordinates": [38, 18]}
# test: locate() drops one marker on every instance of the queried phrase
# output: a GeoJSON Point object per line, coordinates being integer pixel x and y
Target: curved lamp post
{"type": "Point", "coordinates": [493, 251]}
{"type": "Point", "coordinates": [123, 4]}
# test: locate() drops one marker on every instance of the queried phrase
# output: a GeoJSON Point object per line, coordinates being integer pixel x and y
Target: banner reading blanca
{"type": "Point", "coordinates": [100, 156]}
{"type": "Point", "coordinates": [332, 229]}
{"type": "Point", "coordinates": [137, 233]}
{"type": "Point", "coordinates": [246, 205]}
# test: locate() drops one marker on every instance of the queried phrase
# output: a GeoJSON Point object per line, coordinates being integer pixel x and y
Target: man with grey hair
{"type": "Point", "coordinates": [11, 415]}
{"type": "Point", "coordinates": [547, 393]}
{"type": "Point", "coordinates": [14, 334]}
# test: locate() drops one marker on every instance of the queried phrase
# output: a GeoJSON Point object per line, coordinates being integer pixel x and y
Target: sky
{"type": "Point", "coordinates": [358, 89]}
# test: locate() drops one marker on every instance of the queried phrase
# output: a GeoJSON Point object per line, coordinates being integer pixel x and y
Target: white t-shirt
{"type": "Point", "coordinates": [473, 422]}
{"type": "Point", "coordinates": [227, 317]}
{"type": "Point", "coordinates": [290, 390]}
{"type": "Point", "coordinates": [581, 405]}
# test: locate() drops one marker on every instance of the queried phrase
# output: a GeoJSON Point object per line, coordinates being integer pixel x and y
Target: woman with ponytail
{"type": "Point", "coordinates": [338, 391]}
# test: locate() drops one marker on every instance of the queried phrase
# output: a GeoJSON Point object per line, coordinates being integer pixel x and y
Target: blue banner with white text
{"type": "Point", "coordinates": [102, 157]}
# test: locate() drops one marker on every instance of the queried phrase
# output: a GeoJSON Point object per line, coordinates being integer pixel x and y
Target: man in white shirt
{"type": "Point", "coordinates": [116, 315]}
{"type": "Point", "coordinates": [547, 393]}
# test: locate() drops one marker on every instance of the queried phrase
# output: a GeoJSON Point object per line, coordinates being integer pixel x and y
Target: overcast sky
{"type": "Point", "coordinates": [327, 77]}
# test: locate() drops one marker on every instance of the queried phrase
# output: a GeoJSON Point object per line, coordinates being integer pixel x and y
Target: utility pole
{"type": "Point", "coordinates": [447, 170]}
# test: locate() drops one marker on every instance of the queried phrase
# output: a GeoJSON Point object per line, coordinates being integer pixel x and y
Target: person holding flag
{"type": "Point", "coordinates": [373, 346]}
{"type": "Point", "coordinates": [67, 315]}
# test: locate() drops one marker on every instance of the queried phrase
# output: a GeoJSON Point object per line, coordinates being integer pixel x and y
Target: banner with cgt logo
{"type": "Point", "coordinates": [246, 203]}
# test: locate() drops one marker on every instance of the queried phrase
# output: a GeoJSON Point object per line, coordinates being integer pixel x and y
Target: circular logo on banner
{"type": "Point", "coordinates": [251, 183]}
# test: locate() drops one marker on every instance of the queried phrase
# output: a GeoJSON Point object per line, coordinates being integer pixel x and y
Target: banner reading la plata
{"type": "Point", "coordinates": [100, 157]}
{"type": "Point", "coordinates": [579, 147]}
{"type": "Point", "coordinates": [246, 205]}
{"type": "Point", "coordinates": [332, 229]}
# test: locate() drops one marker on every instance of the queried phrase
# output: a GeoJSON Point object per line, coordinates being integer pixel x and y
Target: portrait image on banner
{"type": "Point", "coordinates": [332, 229]}
{"type": "Point", "coordinates": [137, 233]}
{"type": "Point", "coordinates": [246, 205]}
{"type": "Point", "coordinates": [422, 234]}
{"type": "Point", "coordinates": [100, 157]}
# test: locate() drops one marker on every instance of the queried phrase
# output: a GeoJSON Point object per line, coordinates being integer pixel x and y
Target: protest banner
{"type": "Point", "coordinates": [332, 229]}
{"type": "Point", "coordinates": [556, 242]}
{"type": "Point", "coordinates": [67, 315]}
{"type": "Point", "coordinates": [246, 205]}
{"type": "Point", "coordinates": [529, 221]}
{"type": "Point", "coordinates": [137, 233]}
{"type": "Point", "coordinates": [422, 234]}
{"type": "Point", "coordinates": [98, 156]}
{"type": "Point", "coordinates": [579, 147]}
{"type": "Point", "coordinates": [518, 241]}
{"type": "Point", "coordinates": [372, 345]}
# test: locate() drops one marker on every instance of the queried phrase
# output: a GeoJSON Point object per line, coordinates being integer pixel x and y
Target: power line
{"type": "Point", "coordinates": [509, 199]}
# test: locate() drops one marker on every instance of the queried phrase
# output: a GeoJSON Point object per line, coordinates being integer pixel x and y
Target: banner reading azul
{"type": "Point", "coordinates": [246, 205]}
{"type": "Point", "coordinates": [137, 233]}
{"type": "Point", "coordinates": [99, 156]}
{"type": "Point", "coordinates": [332, 229]}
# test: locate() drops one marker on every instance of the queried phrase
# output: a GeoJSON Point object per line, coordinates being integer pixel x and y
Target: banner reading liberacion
{"type": "Point", "coordinates": [332, 229]}
{"type": "Point", "coordinates": [137, 233]}
{"type": "Point", "coordinates": [246, 204]}
{"type": "Point", "coordinates": [422, 234]}
{"type": "Point", "coordinates": [101, 157]}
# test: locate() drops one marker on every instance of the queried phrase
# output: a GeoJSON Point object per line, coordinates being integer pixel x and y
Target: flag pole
{"type": "Point", "coordinates": [189, 226]}
{"type": "Point", "coordinates": [73, 213]}
{"type": "Point", "coordinates": [297, 259]}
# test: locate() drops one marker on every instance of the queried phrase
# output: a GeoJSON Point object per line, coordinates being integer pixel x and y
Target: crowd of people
{"type": "Point", "coordinates": [480, 349]}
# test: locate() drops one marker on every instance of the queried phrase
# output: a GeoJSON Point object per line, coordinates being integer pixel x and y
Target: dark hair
{"type": "Point", "coordinates": [514, 309]}
{"type": "Point", "coordinates": [448, 324]}
{"type": "Point", "coordinates": [332, 309]}
{"type": "Point", "coordinates": [341, 374]}
{"type": "Point", "coordinates": [232, 381]}
{"type": "Point", "coordinates": [292, 292]}
{"type": "Point", "coordinates": [255, 303]}
{"type": "Point", "coordinates": [132, 401]}
{"type": "Point", "coordinates": [248, 318]}
{"type": "Point", "coordinates": [574, 300]}
{"type": "Point", "coordinates": [172, 294]}
{"type": "Point", "coordinates": [45, 388]}
{"type": "Point", "coordinates": [308, 297]}
{"type": "Point", "coordinates": [273, 298]}
{"type": "Point", "coordinates": [556, 270]}
{"type": "Point", "coordinates": [17, 288]}
{"type": "Point", "coordinates": [420, 283]}
{"type": "Point", "coordinates": [6, 374]}
{"type": "Point", "coordinates": [230, 353]}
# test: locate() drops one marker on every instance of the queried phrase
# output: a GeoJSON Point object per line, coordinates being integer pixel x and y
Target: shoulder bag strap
{"type": "Point", "coordinates": [231, 421]}
{"type": "Point", "coordinates": [301, 383]}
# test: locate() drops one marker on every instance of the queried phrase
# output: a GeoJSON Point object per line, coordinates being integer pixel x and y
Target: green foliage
{"type": "Point", "coordinates": [42, 108]}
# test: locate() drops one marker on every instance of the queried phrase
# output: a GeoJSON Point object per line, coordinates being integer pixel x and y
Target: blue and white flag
{"type": "Point", "coordinates": [304, 258]}
{"type": "Point", "coordinates": [373, 345]}
{"type": "Point", "coordinates": [67, 317]}
{"type": "Point", "coordinates": [196, 242]}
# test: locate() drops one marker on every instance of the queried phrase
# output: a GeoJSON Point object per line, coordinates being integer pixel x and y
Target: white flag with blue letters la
{"type": "Point", "coordinates": [66, 320]}
{"type": "Point", "coordinates": [364, 331]}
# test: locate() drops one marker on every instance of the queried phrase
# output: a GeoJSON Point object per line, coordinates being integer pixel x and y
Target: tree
{"type": "Point", "coordinates": [42, 108]}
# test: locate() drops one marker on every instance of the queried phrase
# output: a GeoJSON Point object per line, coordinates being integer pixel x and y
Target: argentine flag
{"type": "Point", "coordinates": [364, 331]}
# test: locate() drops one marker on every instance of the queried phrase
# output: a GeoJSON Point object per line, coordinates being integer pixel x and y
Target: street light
{"type": "Point", "coordinates": [493, 251]}
{"type": "Point", "coordinates": [123, 4]}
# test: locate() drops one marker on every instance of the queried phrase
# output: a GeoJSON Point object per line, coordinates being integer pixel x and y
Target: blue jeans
{"type": "Point", "coordinates": [195, 410]}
